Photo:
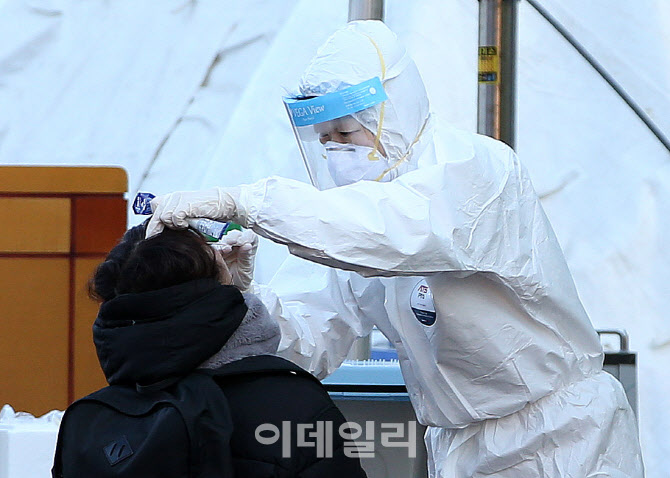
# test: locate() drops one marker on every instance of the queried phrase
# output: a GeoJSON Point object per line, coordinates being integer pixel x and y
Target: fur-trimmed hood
{"type": "Point", "coordinates": [258, 334]}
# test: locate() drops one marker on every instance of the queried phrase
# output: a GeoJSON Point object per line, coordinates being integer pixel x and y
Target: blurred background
{"type": "Point", "coordinates": [186, 94]}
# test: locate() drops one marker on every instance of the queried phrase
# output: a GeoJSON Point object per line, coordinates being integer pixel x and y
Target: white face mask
{"type": "Point", "coordinates": [349, 163]}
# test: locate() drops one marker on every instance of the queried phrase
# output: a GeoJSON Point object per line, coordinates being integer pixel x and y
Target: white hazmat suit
{"type": "Point", "coordinates": [456, 263]}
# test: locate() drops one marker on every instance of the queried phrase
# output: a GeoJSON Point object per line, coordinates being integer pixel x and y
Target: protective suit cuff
{"type": "Point", "coordinates": [254, 288]}
{"type": "Point", "coordinates": [249, 202]}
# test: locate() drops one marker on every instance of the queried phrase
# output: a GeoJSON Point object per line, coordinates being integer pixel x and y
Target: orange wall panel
{"type": "Point", "coordinates": [62, 179]}
{"type": "Point", "coordinates": [34, 305]}
{"type": "Point", "coordinates": [35, 225]}
{"type": "Point", "coordinates": [88, 376]}
{"type": "Point", "coordinates": [99, 222]}
{"type": "Point", "coordinates": [58, 223]}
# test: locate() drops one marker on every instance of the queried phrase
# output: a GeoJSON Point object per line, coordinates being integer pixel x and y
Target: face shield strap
{"type": "Point", "coordinates": [406, 155]}
{"type": "Point", "coordinates": [373, 156]}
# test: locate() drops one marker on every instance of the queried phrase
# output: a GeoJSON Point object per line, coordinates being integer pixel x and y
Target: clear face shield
{"type": "Point", "coordinates": [335, 147]}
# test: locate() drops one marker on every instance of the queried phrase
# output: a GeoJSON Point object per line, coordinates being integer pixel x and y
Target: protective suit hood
{"type": "Point", "coordinates": [367, 49]}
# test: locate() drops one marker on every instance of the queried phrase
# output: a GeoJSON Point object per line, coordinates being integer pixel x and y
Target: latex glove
{"type": "Point", "coordinates": [217, 203]}
{"type": "Point", "coordinates": [238, 250]}
{"type": "Point", "coordinates": [225, 276]}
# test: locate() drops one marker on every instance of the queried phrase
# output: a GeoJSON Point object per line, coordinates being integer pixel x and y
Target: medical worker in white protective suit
{"type": "Point", "coordinates": [436, 237]}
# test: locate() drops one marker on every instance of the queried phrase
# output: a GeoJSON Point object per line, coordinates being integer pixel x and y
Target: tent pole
{"type": "Point", "coordinates": [496, 101]}
{"type": "Point", "coordinates": [637, 109]}
{"type": "Point", "coordinates": [366, 10]}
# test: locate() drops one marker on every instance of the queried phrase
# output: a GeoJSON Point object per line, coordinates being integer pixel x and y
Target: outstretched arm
{"type": "Point", "coordinates": [451, 216]}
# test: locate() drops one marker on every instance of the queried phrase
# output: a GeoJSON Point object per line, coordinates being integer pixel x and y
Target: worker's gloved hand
{"type": "Point", "coordinates": [238, 250]}
{"type": "Point", "coordinates": [217, 203]}
{"type": "Point", "coordinates": [225, 276]}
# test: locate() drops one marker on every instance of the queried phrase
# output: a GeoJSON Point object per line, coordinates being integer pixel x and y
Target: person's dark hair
{"type": "Point", "coordinates": [137, 264]}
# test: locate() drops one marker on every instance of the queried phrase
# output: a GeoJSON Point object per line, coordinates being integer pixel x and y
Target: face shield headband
{"type": "Point", "coordinates": [310, 111]}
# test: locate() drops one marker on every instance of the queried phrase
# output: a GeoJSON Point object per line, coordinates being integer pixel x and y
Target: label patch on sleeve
{"type": "Point", "coordinates": [421, 302]}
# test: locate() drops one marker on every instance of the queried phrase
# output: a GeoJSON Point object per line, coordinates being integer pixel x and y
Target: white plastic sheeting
{"type": "Point", "coordinates": [27, 444]}
{"type": "Point", "coordinates": [138, 84]}
{"type": "Point", "coordinates": [605, 179]}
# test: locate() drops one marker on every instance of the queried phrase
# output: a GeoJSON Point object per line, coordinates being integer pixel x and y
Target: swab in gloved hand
{"type": "Point", "coordinates": [219, 204]}
{"type": "Point", "coordinates": [212, 230]}
{"type": "Point", "coordinates": [238, 250]}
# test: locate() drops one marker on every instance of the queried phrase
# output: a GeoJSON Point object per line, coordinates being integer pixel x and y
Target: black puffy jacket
{"type": "Point", "coordinates": [153, 336]}
{"type": "Point", "coordinates": [266, 390]}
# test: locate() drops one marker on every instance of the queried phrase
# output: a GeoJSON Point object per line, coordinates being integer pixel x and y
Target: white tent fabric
{"type": "Point", "coordinates": [605, 179]}
{"type": "Point", "coordinates": [186, 94]}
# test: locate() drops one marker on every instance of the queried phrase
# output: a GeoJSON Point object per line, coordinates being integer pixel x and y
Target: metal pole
{"type": "Point", "coordinates": [366, 10]}
{"type": "Point", "coordinates": [639, 111]}
{"type": "Point", "coordinates": [496, 104]}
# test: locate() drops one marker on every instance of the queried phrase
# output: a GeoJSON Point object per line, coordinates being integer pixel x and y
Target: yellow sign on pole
{"type": "Point", "coordinates": [489, 65]}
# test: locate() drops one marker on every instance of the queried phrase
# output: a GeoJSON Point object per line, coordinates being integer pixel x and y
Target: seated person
{"type": "Point", "coordinates": [168, 308]}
